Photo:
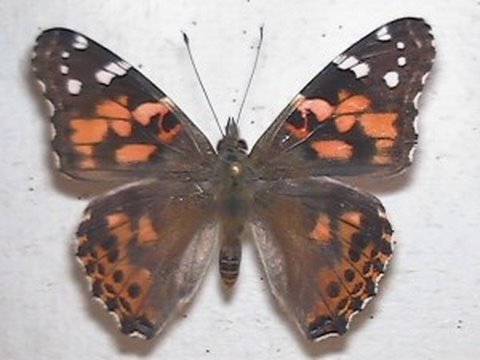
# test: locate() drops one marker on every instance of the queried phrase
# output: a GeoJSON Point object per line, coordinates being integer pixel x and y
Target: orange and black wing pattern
{"type": "Point", "coordinates": [109, 121]}
{"type": "Point", "coordinates": [357, 115]}
{"type": "Point", "coordinates": [145, 248]}
{"type": "Point", "coordinates": [324, 247]}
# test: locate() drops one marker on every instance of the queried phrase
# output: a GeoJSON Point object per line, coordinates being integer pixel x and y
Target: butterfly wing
{"type": "Point", "coordinates": [146, 247]}
{"type": "Point", "coordinates": [110, 121]}
{"type": "Point", "coordinates": [324, 247]}
{"type": "Point", "coordinates": [357, 115]}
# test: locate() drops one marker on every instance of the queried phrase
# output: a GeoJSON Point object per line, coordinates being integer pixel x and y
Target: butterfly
{"type": "Point", "coordinates": [324, 245]}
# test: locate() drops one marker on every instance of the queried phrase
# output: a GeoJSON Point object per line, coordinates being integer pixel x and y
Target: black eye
{"type": "Point", "coordinates": [242, 144]}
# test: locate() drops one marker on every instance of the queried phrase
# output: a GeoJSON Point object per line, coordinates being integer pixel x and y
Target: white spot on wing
{"type": "Point", "coordinates": [348, 63]}
{"type": "Point", "coordinates": [383, 34]}
{"type": "Point", "coordinates": [391, 79]}
{"type": "Point", "coordinates": [418, 43]}
{"type": "Point", "coordinates": [104, 77]}
{"type": "Point", "coordinates": [352, 63]}
{"type": "Point", "coordinates": [74, 86]}
{"type": "Point", "coordinates": [112, 70]}
{"type": "Point", "coordinates": [80, 42]}
{"type": "Point", "coordinates": [415, 100]}
{"type": "Point", "coordinates": [116, 69]}
{"type": "Point", "coordinates": [64, 69]}
{"type": "Point", "coordinates": [124, 65]}
{"type": "Point", "coordinates": [400, 45]}
{"type": "Point", "coordinates": [415, 126]}
{"type": "Point", "coordinates": [411, 153]}
{"type": "Point", "coordinates": [42, 85]}
{"type": "Point", "coordinates": [339, 59]}
{"type": "Point", "coordinates": [424, 77]}
{"type": "Point", "coordinates": [56, 160]}
{"type": "Point", "coordinates": [65, 55]}
{"type": "Point", "coordinates": [402, 61]}
{"type": "Point", "coordinates": [53, 131]}
{"type": "Point", "coordinates": [361, 70]}
{"type": "Point", "coordinates": [51, 108]}
{"type": "Point", "coordinates": [285, 139]}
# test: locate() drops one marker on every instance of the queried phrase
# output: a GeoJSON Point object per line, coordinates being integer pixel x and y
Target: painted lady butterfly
{"type": "Point", "coordinates": [324, 245]}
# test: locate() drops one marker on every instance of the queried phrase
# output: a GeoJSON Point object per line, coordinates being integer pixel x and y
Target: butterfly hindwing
{"type": "Point", "coordinates": [324, 247]}
{"type": "Point", "coordinates": [357, 115]}
{"type": "Point", "coordinates": [146, 247]}
{"type": "Point", "coordinates": [109, 120]}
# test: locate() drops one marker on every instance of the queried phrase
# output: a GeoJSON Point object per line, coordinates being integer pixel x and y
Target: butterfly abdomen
{"type": "Point", "coordinates": [229, 260]}
{"type": "Point", "coordinates": [234, 206]}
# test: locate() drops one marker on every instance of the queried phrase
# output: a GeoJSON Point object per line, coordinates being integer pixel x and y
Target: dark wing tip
{"type": "Point", "coordinates": [326, 326]}
{"type": "Point", "coordinates": [138, 326]}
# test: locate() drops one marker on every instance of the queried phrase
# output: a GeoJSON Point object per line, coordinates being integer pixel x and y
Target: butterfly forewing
{"type": "Point", "coordinates": [146, 247]}
{"type": "Point", "coordinates": [324, 247]}
{"type": "Point", "coordinates": [357, 115]}
{"type": "Point", "coordinates": [109, 120]}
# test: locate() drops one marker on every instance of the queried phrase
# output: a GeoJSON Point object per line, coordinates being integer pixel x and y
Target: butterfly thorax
{"type": "Point", "coordinates": [233, 199]}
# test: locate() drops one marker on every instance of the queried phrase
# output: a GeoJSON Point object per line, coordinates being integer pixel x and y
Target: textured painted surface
{"type": "Point", "coordinates": [429, 304]}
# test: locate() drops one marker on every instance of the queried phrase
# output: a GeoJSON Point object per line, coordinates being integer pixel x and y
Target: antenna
{"type": "Point", "coordinates": [255, 62]}
{"type": "Point", "coordinates": [187, 44]}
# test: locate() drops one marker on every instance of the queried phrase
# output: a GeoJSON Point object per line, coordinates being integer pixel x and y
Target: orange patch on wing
{"type": "Point", "coordinates": [146, 231]}
{"type": "Point", "coordinates": [116, 219]}
{"type": "Point", "coordinates": [345, 122]}
{"type": "Point", "coordinates": [135, 290]}
{"type": "Point", "coordinates": [134, 153]}
{"type": "Point", "coordinates": [146, 111]}
{"type": "Point", "coordinates": [353, 104]}
{"type": "Point", "coordinates": [121, 127]}
{"type": "Point", "coordinates": [352, 217]}
{"type": "Point", "coordinates": [320, 308]}
{"type": "Point", "coordinates": [346, 231]}
{"type": "Point", "coordinates": [333, 149]}
{"type": "Point", "coordinates": [319, 107]}
{"type": "Point", "coordinates": [359, 290]}
{"type": "Point", "coordinates": [299, 133]}
{"type": "Point", "coordinates": [87, 164]}
{"type": "Point", "coordinates": [379, 125]}
{"type": "Point", "coordinates": [88, 131]}
{"type": "Point", "coordinates": [310, 317]}
{"type": "Point", "coordinates": [383, 144]}
{"type": "Point", "coordinates": [122, 231]}
{"type": "Point", "coordinates": [322, 231]}
{"type": "Point", "coordinates": [382, 159]}
{"type": "Point", "coordinates": [82, 239]}
{"type": "Point", "coordinates": [168, 136]}
{"type": "Point", "coordinates": [123, 100]}
{"type": "Point", "coordinates": [84, 149]}
{"type": "Point", "coordinates": [343, 94]}
{"type": "Point", "coordinates": [113, 109]}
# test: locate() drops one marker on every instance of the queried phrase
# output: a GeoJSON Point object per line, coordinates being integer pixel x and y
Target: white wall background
{"type": "Point", "coordinates": [428, 306]}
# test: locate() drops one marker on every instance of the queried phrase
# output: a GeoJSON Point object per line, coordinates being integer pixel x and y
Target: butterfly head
{"type": "Point", "coordinates": [232, 150]}
{"type": "Point", "coordinates": [231, 146]}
